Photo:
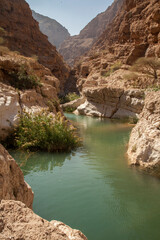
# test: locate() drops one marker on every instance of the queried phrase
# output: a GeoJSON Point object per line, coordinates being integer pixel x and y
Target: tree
{"type": "Point", "coordinates": [148, 66]}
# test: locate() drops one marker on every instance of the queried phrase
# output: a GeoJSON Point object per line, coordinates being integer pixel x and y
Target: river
{"type": "Point", "coordinates": [93, 189]}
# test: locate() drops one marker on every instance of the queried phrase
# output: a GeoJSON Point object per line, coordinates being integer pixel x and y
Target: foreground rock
{"type": "Point", "coordinates": [12, 184]}
{"type": "Point", "coordinates": [144, 143]}
{"type": "Point", "coordinates": [19, 222]}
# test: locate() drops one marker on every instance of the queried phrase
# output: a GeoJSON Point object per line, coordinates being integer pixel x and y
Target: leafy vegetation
{"type": "Point", "coordinates": [22, 80]}
{"type": "Point", "coordinates": [41, 131]}
{"type": "Point", "coordinates": [69, 97]}
{"type": "Point", "coordinates": [69, 109]}
{"type": "Point", "coordinates": [144, 74]}
{"type": "Point", "coordinates": [148, 66]}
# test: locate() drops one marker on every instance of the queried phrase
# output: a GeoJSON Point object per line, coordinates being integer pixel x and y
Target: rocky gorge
{"type": "Point", "coordinates": [105, 92]}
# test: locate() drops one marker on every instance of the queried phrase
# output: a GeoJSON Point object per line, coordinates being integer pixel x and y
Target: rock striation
{"type": "Point", "coordinates": [55, 32]}
{"type": "Point", "coordinates": [19, 222]}
{"type": "Point", "coordinates": [110, 102]}
{"type": "Point", "coordinates": [12, 184]}
{"type": "Point", "coordinates": [75, 46]}
{"type": "Point", "coordinates": [144, 143]}
{"type": "Point", "coordinates": [22, 34]}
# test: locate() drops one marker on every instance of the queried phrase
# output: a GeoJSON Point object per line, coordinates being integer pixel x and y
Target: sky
{"type": "Point", "coordinates": [72, 14]}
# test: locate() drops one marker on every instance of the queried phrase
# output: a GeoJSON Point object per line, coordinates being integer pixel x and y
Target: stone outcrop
{"type": "Point", "coordinates": [73, 104]}
{"type": "Point", "coordinates": [111, 102]}
{"type": "Point", "coordinates": [55, 32]}
{"type": "Point", "coordinates": [75, 46]}
{"type": "Point", "coordinates": [13, 101]}
{"type": "Point", "coordinates": [144, 143]}
{"type": "Point", "coordinates": [12, 184]}
{"type": "Point", "coordinates": [21, 33]}
{"type": "Point", "coordinates": [19, 222]}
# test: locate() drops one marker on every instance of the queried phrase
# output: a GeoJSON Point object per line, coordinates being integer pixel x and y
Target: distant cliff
{"type": "Point", "coordinates": [76, 46]}
{"type": "Point", "coordinates": [55, 31]}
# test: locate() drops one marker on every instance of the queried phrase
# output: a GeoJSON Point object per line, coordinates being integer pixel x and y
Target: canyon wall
{"type": "Point", "coordinates": [21, 33]}
{"type": "Point", "coordinates": [75, 46]}
{"type": "Point", "coordinates": [133, 33]}
{"type": "Point", "coordinates": [54, 30]}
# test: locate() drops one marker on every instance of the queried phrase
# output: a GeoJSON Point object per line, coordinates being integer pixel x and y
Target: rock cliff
{"type": "Point", "coordinates": [21, 33]}
{"type": "Point", "coordinates": [76, 46]}
{"type": "Point", "coordinates": [55, 31]}
{"type": "Point", "coordinates": [133, 33]}
{"type": "Point", "coordinates": [144, 143]}
{"type": "Point", "coordinates": [19, 222]}
{"type": "Point", "coordinates": [13, 99]}
{"type": "Point", "coordinates": [12, 184]}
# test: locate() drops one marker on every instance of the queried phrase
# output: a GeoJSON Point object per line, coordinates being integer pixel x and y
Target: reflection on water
{"type": "Point", "coordinates": [93, 189]}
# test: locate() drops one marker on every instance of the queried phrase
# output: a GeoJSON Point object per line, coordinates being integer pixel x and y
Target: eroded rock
{"type": "Point", "coordinates": [144, 143]}
{"type": "Point", "coordinates": [19, 222]}
{"type": "Point", "coordinates": [12, 184]}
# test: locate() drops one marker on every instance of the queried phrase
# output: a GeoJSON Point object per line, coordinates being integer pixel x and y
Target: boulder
{"type": "Point", "coordinates": [12, 184]}
{"type": "Point", "coordinates": [144, 143]}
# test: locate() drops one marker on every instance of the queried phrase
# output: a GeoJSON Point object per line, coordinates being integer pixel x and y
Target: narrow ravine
{"type": "Point", "coordinates": [92, 188]}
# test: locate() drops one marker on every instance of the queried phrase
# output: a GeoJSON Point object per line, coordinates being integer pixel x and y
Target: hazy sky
{"type": "Point", "coordinates": [73, 14]}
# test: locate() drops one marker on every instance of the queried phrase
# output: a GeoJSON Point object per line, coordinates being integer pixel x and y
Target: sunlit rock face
{"type": "Point", "coordinates": [144, 143]}
{"type": "Point", "coordinates": [12, 184]}
{"type": "Point", "coordinates": [19, 222]}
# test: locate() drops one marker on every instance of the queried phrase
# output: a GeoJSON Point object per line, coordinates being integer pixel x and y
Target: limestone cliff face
{"type": "Point", "coordinates": [55, 31]}
{"type": "Point", "coordinates": [144, 143]}
{"type": "Point", "coordinates": [19, 222]}
{"type": "Point", "coordinates": [13, 101]}
{"type": "Point", "coordinates": [23, 35]}
{"type": "Point", "coordinates": [12, 184]}
{"type": "Point", "coordinates": [134, 33]}
{"type": "Point", "coordinates": [76, 46]}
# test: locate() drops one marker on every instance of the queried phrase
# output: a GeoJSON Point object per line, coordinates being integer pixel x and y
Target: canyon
{"type": "Point", "coordinates": [102, 54]}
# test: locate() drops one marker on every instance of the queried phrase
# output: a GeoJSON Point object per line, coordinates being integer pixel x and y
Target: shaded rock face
{"type": "Point", "coordinates": [144, 143]}
{"type": "Point", "coordinates": [12, 184]}
{"type": "Point", "coordinates": [13, 101]}
{"type": "Point", "coordinates": [23, 35]}
{"type": "Point", "coordinates": [76, 46]}
{"type": "Point", "coordinates": [55, 31]}
{"type": "Point", "coordinates": [19, 222]}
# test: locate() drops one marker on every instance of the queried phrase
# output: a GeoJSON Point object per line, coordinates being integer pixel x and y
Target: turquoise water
{"type": "Point", "coordinates": [92, 188]}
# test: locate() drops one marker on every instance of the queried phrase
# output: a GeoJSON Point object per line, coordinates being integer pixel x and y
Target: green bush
{"type": "Point", "coordinates": [43, 132]}
{"type": "Point", "coordinates": [22, 80]}
{"type": "Point", "coordinates": [69, 97]}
